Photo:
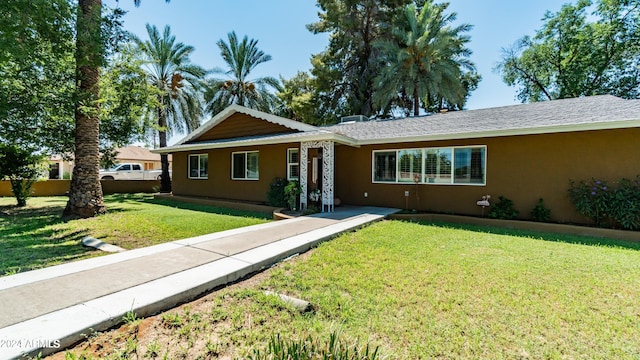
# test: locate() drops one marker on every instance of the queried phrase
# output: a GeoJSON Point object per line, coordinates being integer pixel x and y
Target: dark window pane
{"type": "Point", "coordinates": [239, 166]}
{"type": "Point", "coordinates": [469, 165]}
{"type": "Point", "coordinates": [204, 166]}
{"type": "Point", "coordinates": [193, 166]}
{"type": "Point", "coordinates": [253, 170]}
{"type": "Point", "coordinates": [385, 166]}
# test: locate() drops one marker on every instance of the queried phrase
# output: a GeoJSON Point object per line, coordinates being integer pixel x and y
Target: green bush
{"type": "Point", "coordinates": [608, 206]}
{"type": "Point", "coordinates": [22, 167]}
{"type": "Point", "coordinates": [292, 194]}
{"type": "Point", "coordinates": [310, 210]}
{"type": "Point", "coordinates": [625, 203]}
{"type": "Point", "coordinates": [591, 199]}
{"type": "Point", "coordinates": [540, 212]}
{"type": "Point", "coordinates": [503, 209]}
{"type": "Point", "coordinates": [275, 195]}
{"type": "Point", "coordinates": [312, 349]}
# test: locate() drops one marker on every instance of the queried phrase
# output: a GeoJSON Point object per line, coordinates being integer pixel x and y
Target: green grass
{"type": "Point", "coordinates": [420, 291]}
{"type": "Point", "coordinates": [36, 236]}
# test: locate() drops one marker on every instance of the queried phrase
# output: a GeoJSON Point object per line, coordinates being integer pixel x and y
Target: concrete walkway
{"type": "Point", "coordinates": [48, 309]}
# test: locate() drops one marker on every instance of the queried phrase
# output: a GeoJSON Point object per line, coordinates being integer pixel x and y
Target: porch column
{"type": "Point", "coordinates": [327, 173]}
{"type": "Point", "coordinates": [304, 156]}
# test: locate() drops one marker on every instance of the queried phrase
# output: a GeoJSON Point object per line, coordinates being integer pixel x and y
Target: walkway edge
{"type": "Point", "coordinates": [106, 312]}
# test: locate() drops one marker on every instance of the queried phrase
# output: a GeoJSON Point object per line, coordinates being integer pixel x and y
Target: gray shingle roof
{"type": "Point", "coordinates": [581, 113]}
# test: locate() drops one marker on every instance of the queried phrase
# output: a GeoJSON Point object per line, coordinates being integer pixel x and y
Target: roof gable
{"type": "Point", "coordinates": [237, 121]}
{"type": "Point", "coordinates": [241, 125]}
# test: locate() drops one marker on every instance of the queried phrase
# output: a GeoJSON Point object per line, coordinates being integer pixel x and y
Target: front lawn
{"type": "Point", "coordinates": [418, 292]}
{"type": "Point", "coordinates": [35, 236]}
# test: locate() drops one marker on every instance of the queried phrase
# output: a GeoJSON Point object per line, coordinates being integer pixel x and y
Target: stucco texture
{"type": "Point", "coordinates": [521, 168]}
{"type": "Point", "coordinates": [219, 185]}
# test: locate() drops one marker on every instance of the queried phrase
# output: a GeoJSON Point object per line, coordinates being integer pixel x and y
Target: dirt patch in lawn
{"type": "Point", "coordinates": [206, 328]}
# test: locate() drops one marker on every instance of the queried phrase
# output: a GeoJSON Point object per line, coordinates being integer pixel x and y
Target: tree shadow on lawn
{"type": "Point", "coordinates": [17, 220]}
{"type": "Point", "coordinates": [537, 235]}
{"type": "Point", "coordinates": [30, 239]}
{"type": "Point", "coordinates": [40, 248]}
{"type": "Point", "coordinates": [210, 209]}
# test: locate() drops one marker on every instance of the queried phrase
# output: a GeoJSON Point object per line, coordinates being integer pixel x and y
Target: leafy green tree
{"type": "Point", "coordinates": [345, 71]}
{"type": "Point", "coordinates": [22, 167]}
{"type": "Point", "coordinates": [85, 193]}
{"type": "Point", "coordinates": [241, 57]}
{"type": "Point", "coordinates": [38, 70]}
{"type": "Point", "coordinates": [425, 62]}
{"type": "Point", "coordinates": [37, 73]}
{"type": "Point", "coordinates": [299, 99]}
{"type": "Point", "coordinates": [575, 54]}
{"type": "Point", "coordinates": [177, 82]}
{"type": "Point", "coordinates": [126, 97]}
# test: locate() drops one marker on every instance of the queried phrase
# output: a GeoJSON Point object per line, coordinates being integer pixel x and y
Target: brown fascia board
{"type": "Point", "coordinates": [507, 132]}
{"type": "Point", "coordinates": [301, 137]}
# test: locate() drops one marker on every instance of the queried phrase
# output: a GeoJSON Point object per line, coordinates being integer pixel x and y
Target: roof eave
{"type": "Point", "coordinates": [325, 136]}
{"type": "Point", "coordinates": [507, 132]}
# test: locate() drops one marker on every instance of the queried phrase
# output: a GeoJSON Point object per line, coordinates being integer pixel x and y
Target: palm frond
{"type": "Point", "coordinates": [241, 57]}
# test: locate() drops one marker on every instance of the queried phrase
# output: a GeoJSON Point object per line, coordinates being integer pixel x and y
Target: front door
{"type": "Point", "coordinates": [316, 173]}
{"type": "Point", "coordinates": [314, 177]}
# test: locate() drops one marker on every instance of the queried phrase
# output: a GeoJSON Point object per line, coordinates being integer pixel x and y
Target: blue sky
{"type": "Point", "coordinates": [279, 27]}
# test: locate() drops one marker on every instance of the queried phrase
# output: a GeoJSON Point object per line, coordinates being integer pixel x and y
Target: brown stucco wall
{"type": "Point", "coordinates": [40, 188]}
{"type": "Point", "coordinates": [272, 163]}
{"type": "Point", "coordinates": [522, 168]}
{"type": "Point", "coordinates": [61, 187]}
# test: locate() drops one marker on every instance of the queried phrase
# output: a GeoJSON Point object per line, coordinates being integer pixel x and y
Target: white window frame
{"type": "Point", "coordinates": [246, 165]}
{"type": "Point", "coordinates": [373, 167]}
{"type": "Point", "coordinates": [199, 156]}
{"type": "Point", "coordinates": [398, 162]}
{"type": "Point", "coordinates": [423, 179]}
{"type": "Point", "coordinates": [290, 164]}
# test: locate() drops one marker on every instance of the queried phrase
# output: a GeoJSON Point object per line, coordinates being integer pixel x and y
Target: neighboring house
{"type": "Point", "coordinates": [137, 154]}
{"type": "Point", "coordinates": [59, 168]}
{"type": "Point", "coordinates": [442, 163]}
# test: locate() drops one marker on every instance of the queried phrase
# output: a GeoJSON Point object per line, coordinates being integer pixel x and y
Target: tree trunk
{"type": "Point", "coordinates": [416, 101]}
{"type": "Point", "coordinates": [85, 194]}
{"type": "Point", "coordinates": [165, 180]}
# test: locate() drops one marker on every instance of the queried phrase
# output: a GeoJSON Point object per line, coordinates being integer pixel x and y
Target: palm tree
{"type": "Point", "coordinates": [425, 59]}
{"type": "Point", "coordinates": [85, 192]}
{"type": "Point", "coordinates": [178, 82]}
{"type": "Point", "coordinates": [241, 58]}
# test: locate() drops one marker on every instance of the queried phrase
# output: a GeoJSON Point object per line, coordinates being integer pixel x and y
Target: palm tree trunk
{"type": "Point", "coordinates": [85, 194]}
{"type": "Point", "coordinates": [416, 101]}
{"type": "Point", "coordinates": [165, 180]}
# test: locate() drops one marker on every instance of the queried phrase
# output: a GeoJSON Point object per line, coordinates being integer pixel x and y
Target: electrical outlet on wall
{"type": "Point", "coordinates": [366, 194]}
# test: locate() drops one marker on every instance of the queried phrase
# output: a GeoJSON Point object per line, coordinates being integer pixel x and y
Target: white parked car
{"type": "Point", "coordinates": [130, 171]}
